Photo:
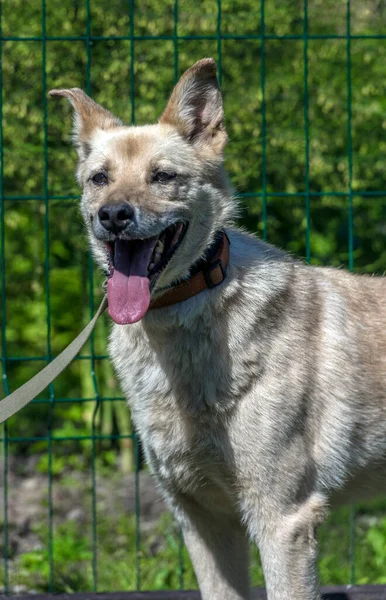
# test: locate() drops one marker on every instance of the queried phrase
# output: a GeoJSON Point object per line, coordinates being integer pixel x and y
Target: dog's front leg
{"type": "Point", "coordinates": [288, 548]}
{"type": "Point", "coordinates": [219, 551]}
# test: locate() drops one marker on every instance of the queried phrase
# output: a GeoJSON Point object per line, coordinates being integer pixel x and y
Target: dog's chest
{"type": "Point", "coordinates": [188, 367]}
{"type": "Point", "coordinates": [178, 388]}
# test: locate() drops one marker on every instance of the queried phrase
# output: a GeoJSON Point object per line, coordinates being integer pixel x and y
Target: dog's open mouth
{"type": "Point", "coordinates": [135, 266]}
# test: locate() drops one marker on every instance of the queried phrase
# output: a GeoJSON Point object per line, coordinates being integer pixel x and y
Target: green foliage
{"type": "Point", "coordinates": [72, 556]}
{"type": "Point", "coordinates": [369, 546]}
{"type": "Point", "coordinates": [164, 563]}
{"type": "Point", "coordinates": [375, 558]}
{"type": "Point", "coordinates": [159, 558]}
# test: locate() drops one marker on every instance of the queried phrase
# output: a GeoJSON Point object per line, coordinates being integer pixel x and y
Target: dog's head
{"type": "Point", "coordinates": [155, 195]}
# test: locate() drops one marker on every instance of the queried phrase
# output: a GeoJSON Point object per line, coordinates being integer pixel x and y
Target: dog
{"type": "Point", "coordinates": [257, 383]}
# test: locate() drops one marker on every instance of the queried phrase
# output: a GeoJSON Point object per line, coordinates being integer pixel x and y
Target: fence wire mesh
{"type": "Point", "coordinates": [304, 98]}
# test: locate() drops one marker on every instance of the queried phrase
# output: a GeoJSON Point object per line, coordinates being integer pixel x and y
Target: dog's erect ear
{"type": "Point", "coordinates": [195, 107]}
{"type": "Point", "coordinates": [88, 116]}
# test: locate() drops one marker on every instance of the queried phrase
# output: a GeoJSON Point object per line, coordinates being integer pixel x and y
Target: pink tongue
{"type": "Point", "coordinates": [128, 288]}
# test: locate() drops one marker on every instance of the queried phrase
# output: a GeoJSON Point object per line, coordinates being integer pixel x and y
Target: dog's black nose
{"type": "Point", "coordinates": [115, 217]}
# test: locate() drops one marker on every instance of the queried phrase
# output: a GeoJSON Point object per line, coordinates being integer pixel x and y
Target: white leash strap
{"type": "Point", "coordinates": [11, 404]}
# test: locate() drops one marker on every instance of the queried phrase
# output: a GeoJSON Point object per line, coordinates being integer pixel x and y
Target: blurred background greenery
{"type": "Point", "coordinates": [305, 111]}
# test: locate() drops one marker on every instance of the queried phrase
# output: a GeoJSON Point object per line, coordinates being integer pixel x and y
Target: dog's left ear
{"type": "Point", "coordinates": [88, 116]}
{"type": "Point", "coordinates": [195, 107]}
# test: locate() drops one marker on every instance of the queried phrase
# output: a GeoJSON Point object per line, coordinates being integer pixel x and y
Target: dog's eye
{"type": "Point", "coordinates": [99, 178]}
{"type": "Point", "coordinates": [163, 176]}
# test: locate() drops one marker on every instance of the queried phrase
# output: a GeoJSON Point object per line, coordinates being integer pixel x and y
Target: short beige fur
{"type": "Point", "coordinates": [260, 402]}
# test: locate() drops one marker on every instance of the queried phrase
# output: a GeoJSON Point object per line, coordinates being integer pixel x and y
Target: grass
{"type": "Point", "coordinates": [164, 562]}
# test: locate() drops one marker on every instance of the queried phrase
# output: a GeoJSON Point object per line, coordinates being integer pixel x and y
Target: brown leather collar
{"type": "Point", "coordinates": [210, 275]}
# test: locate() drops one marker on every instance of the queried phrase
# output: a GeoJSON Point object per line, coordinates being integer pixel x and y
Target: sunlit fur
{"type": "Point", "coordinates": [257, 402]}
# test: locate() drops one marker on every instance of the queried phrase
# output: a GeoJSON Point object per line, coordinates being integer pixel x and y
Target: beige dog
{"type": "Point", "coordinates": [258, 386]}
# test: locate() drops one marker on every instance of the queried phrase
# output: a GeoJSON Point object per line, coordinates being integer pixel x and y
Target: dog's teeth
{"type": "Point", "coordinates": [159, 248]}
{"type": "Point", "coordinates": [155, 259]}
{"type": "Point", "coordinates": [176, 235]}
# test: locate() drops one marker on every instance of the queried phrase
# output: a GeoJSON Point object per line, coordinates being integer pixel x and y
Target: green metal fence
{"type": "Point", "coordinates": [304, 99]}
